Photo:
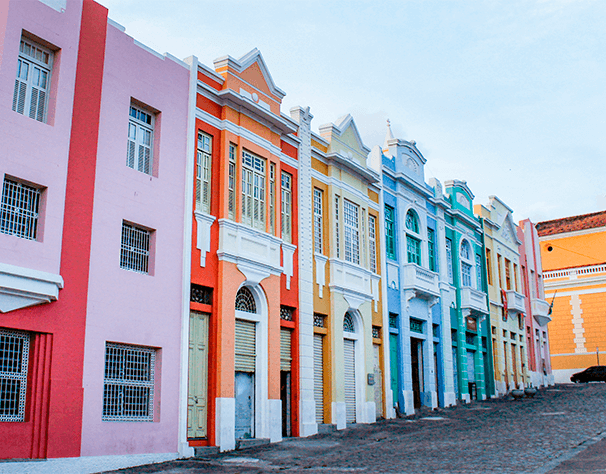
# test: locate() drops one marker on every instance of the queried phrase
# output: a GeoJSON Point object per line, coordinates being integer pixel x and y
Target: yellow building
{"type": "Point", "coordinates": [506, 294]}
{"type": "Point", "coordinates": [348, 350]}
{"type": "Point", "coordinates": [573, 250]}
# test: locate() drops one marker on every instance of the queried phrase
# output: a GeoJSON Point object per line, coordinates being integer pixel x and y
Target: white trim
{"type": "Point", "coordinates": [204, 222]}
{"type": "Point", "coordinates": [22, 287]}
{"type": "Point", "coordinates": [571, 293]}
{"type": "Point", "coordinates": [342, 186]}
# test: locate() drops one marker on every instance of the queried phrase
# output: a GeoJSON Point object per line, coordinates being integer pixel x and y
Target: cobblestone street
{"type": "Point", "coordinates": [501, 435]}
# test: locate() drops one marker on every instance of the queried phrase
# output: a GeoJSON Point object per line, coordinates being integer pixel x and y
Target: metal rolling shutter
{"type": "Point", "coordinates": [285, 353]}
{"type": "Point", "coordinates": [378, 381]}
{"type": "Point", "coordinates": [245, 346]}
{"type": "Point", "coordinates": [350, 380]}
{"type": "Point", "coordinates": [319, 377]}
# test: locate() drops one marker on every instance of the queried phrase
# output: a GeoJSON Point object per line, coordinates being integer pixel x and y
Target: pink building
{"type": "Point", "coordinates": [537, 309]}
{"type": "Point", "coordinates": [93, 167]}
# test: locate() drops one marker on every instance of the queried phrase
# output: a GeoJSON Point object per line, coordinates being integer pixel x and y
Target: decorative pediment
{"type": "Point", "coordinates": [346, 131]}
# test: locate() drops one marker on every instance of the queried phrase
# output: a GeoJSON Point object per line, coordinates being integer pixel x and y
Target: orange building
{"type": "Point", "coordinates": [573, 250]}
{"type": "Point", "coordinates": [243, 338]}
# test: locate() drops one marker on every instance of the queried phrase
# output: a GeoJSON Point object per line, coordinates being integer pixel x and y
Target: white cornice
{"type": "Point", "coordinates": [398, 176]}
{"type": "Point", "coordinates": [336, 183]}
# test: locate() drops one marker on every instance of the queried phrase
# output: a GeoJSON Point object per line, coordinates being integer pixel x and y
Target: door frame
{"type": "Point", "coordinates": [359, 363]}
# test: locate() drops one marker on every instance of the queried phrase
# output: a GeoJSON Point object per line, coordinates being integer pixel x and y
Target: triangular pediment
{"type": "Point", "coordinates": [346, 132]}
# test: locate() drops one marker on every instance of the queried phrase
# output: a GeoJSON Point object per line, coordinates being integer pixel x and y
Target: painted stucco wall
{"type": "Point", "coordinates": [124, 306]}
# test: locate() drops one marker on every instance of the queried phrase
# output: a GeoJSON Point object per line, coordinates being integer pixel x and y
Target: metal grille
{"type": "Point", "coordinates": [376, 332]}
{"type": "Point", "coordinates": [372, 244]}
{"type": "Point", "coordinates": [245, 346]}
{"type": "Point", "coordinates": [245, 301]}
{"type": "Point", "coordinates": [348, 323]}
{"type": "Point", "coordinates": [349, 372]}
{"type": "Point", "coordinates": [285, 349]}
{"type": "Point", "coordinates": [393, 320]}
{"type": "Point", "coordinates": [337, 226]}
{"type": "Point", "coordinates": [465, 250]}
{"type": "Point", "coordinates": [286, 207]}
{"type": "Point", "coordinates": [286, 313]}
{"type": "Point", "coordinates": [128, 386]}
{"type": "Point", "coordinates": [140, 140]}
{"type": "Point", "coordinates": [14, 357]}
{"type": "Point", "coordinates": [318, 220]}
{"type": "Point", "coordinates": [134, 252]}
{"type": "Point", "coordinates": [352, 232]}
{"type": "Point", "coordinates": [319, 320]}
{"type": "Point", "coordinates": [201, 294]}
{"type": "Point", "coordinates": [412, 223]}
{"type": "Point", "coordinates": [416, 325]}
{"type": "Point", "coordinates": [390, 239]}
{"type": "Point", "coordinates": [319, 377]}
{"type": "Point", "coordinates": [19, 210]}
{"type": "Point", "coordinates": [203, 172]}
{"type": "Point", "coordinates": [231, 184]}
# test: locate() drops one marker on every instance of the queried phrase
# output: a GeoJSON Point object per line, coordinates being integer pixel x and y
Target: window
{"type": "Point", "coordinates": [489, 266]}
{"type": "Point", "coordinates": [431, 248]}
{"type": "Point", "coordinates": [372, 243]}
{"type": "Point", "coordinates": [449, 259]}
{"type": "Point", "coordinates": [500, 271]}
{"type": "Point", "coordinates": [134, 251]}
{"type": "Point", "coordinates": [479, 271]}
{"type": "Point", "coordinates": [533, 283]}
{"type": "Point", "coordinates": [140, 140]}
{"type": "Point", "coordinates": [337, 227]}
{"type": "Point", "coordinates": [390, 238]}
{"type": "Point", "coordinates": [253, 191]}
{"type": "Point", "coordinates": [128, 385]}
{"type": "Point", "coordinates": [465, 250]}
{"type": "Point", "coordinates": [203, 168]}
{"type": "Point", "coordinates": [515, 276]}
{"type": "Point", "coordinates": [413, 244]}
{"type": "Point", "coordinates": [33, 80]}
{"type": "Point", "coordinates": [465, 274]}
{"type": "Point", "coordinates": [14, 357]}
{"type": "Point", "coordinates": [231, 183]}
{"type": "Point", "coordinates": [286, 207]}
{"type": "Point", "coordinates": [508, 274]}
{"type": "Point", "coordinates": [466, 264]}
{"type": "Point", "coordinates": [245, 301]}
{"type": "Point", "coordinates": [348, 323]}
{"type": "Point", "coordinates": [318, 195]}
{"type": "Point", "coordinates": [19, 209]}
{"type": "Point", "coordinates": [272, 198]}
{"type": "Point", "coordinates": [352, 233]}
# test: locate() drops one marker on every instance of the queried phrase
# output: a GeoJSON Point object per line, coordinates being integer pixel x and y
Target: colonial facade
{"type": "Point", "coordinates": [243, 336]}
{"type": "Point", "coordinates": [507, 300]}
{"type": "Point", "coordinates": [574, 274]}
{"type": "Point", "coordinates": [349, 356]}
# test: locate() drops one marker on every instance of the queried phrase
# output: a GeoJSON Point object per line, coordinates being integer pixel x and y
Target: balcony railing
{"type": "Point", "coordinates": [474, 300]}
{"type": "Point", "coordinates": [515, 301]}
{"type": "Point", "coordinates": [540, 311]}
{"type": "Point", "coordinates": [420, 279]}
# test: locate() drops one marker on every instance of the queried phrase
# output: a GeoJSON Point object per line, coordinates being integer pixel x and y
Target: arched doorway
{"type": "Point", "coordinates": [352, 360]}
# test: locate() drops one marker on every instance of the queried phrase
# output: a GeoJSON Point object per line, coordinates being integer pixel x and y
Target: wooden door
{"type": "Point", "coordinates": [416, 362]}
{"type": "Point", "coordinates": [198, 375]}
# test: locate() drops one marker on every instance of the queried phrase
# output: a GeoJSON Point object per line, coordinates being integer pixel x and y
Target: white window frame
{"type": "Point", "coordinates": [318, 220]}
{"type": "Point", "coordinates": [13, 373]}
{"type": "Point", "coordinates": [372, 243]}
{"type": "Point", "coordinates": [449, 260]}
{"type": "Point", "coordinates": [253, 190]}
{"type": "Point", "coordinates": [286, 186]}
{"type": "Point", "coordinates": [272, 198]}
{"type": "Point", "coordinates": [33, 79]}
{"type": "Point", "coordinates": [20, 209]}
{"type": "Point", "coordinates": [467, 264]}
{"type": "Point", "coordinates": [231, 184]}
{"type": "Point", "coordinates": [117, 384]}
{"type": "Point", "coordinates": [135, 247]}
{"type": "Point", "coordinates": [140, 146]}
{"type": "Point", "coordinates": [479, 271]}
{"type": "Point", "coordinates": [203, 171]}
{"type": "Point", "coordinates": [351, 224]}
{"type": "Point", "coordinates": [413, 238]}
{"type": "Point", "coordinates": [337, 227]}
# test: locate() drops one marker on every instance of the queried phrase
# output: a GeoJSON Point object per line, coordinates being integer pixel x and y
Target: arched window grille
{"type": "Point", "coordinates": [348, 323]}
{"type": "Point", "coordinates": [413, 241]}
{"type": "Point", "coordinates": [412, 223]}
{"type": "Point", "coordinates": [245, 301]}
{"type": "Point", "coordinates": [465, 250]}
{"type": "Point", "coordinates": [466, 264]}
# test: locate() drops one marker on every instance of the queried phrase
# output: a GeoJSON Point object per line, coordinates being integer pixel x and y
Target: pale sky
{"type": "Point", "coordinates": [507, 95]}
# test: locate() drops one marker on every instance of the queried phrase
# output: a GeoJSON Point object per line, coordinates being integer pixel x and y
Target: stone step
{"type": "Point", "coordinates": [205, 451]}
{"type": "Point", "coordinates": [251, 443]}
{"type": "Point", "coordinates": [326, 428]}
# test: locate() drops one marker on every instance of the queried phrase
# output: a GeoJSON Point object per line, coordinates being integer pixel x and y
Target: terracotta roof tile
{"type": "Point", "coordinates": [570, 224]}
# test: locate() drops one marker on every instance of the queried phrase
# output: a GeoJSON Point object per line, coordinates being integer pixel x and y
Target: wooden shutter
{"type": "Point", "coordinates": [285, 349]}
{"type": "Point", "coordinates": [319, 377]}
{"type": "Point", "coordinates": [245, 346]}
{"type": "Point", "coordinates": [350, 380]}
{"type": "Point", "coordinates": [20, 86]}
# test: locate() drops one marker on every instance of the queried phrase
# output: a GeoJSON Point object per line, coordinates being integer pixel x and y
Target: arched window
{"type": "Point", "coordinates": [466, 264]}
{"type": "Point", "coordinates": [348, 323]}
{"type": "Point", "coordinates": [413, 241]}
{"type": "Point", "coordinates": [245, 301]}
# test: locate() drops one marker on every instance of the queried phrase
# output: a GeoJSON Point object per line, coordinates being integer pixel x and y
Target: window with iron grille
{"type": "Point", "coordinates": [134, 251]}
{"type": "Point", "coordinates": [253, 191]}
{"type": "Point", "coordinates": [286, 313]}
{"type": "Point", "coordinates": [372, 243]}
{"type": "Point", "coordinates": [416, 325]}
{"type": "Point", "coordinates": [393, 320]}
{"type": "Point", "coordinates": [14, 357]}
{"type": "Point", "coordinates": [128, 385]}
{"type": "Point", "coordinates": [318, 220]}
{"type": "Point", "coordinates": [19, 209]}
{"type": "Point", "coordinates": [139, 154]}
{"type": "Point", "coordinates": [319, 320]}
{"type": "Point", "coordinates": [272, 198]}
{"type": "Point", "coordinates": [431, 248]}
{"type": "Point", "coordinates": [348, 323]}
{"type": "Point", "coordinates": [203, 170]}
{"type": "Point", "coordinates": [286, 207]}
{"type": "Point", "coordinates": [376, 332]}
{"type": "Point", "coordinates": [412, 222]}
{"type": "Point", "coordinates": [449, 259]}
{"type": "Point", "coordinates": [231, 183]}
{"type": "Point", "coordinates": [390, 238]}
{"type": "Point", "coordinates": [201, 294]}
{"type": "Point", "coordinates": [32, 84]}
{"type": "Point", "coordinates": [245, 301]}
{"type": "Point", "coordinates": [337, 227]}
{"type": "Point", "coordinates": [352, 232]}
